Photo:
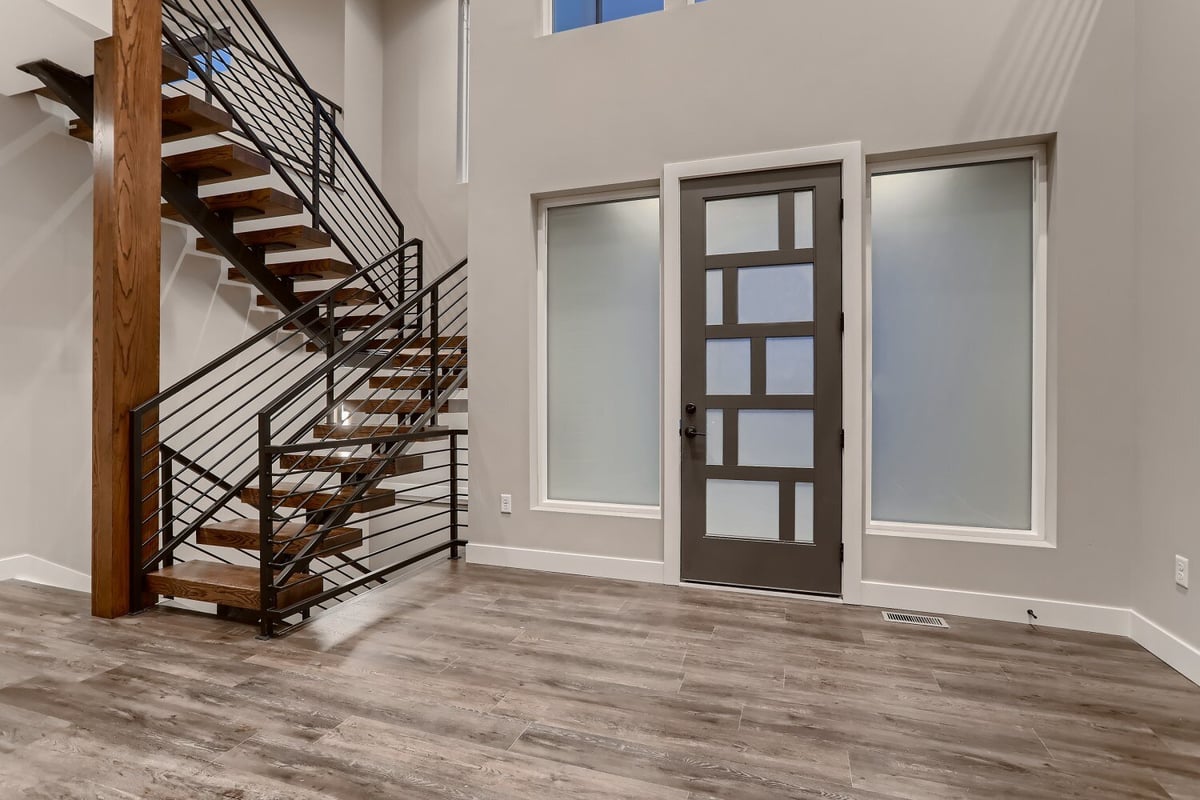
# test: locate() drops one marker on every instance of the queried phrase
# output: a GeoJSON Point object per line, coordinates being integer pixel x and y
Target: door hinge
{"type": "Point", "coordinates": [842, 209]}
{"type": "Point", "coordinates": [843, 552]}
{"type": "Point", "coordinates": [843, 438]}
{"type": "Point", "coordinates": [842, 323]}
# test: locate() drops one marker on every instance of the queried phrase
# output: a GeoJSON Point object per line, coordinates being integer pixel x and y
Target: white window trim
{"type": "Point", "coordinates": [540, 401]}
{"type": "Point", "coordinates": [464, 89]}
{"type": "Point", "coordinates": [1042, 532]}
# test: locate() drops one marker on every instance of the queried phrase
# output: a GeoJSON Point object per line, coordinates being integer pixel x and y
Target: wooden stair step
{"type": "Point", "coordinates": [355, 465]}
{"type": "Point", "coordinates": [422, 359]}
{"type": "Point", "coordinates": [316, 269]}
{"type": "Point", "coordinates": [228, 584]}
{"type": "Point", "coordinates": [367, 430]}
{"type": "Point", "coordinates": [445, 343]}
{"type": "Point", "coordinates": [413, 382]}
{"type": "Point", "coordinates": [292, 237]}
{"type": "Point", "coordinates": [252, 204]}
{"type": "Point", "coordinates": [342, 297]}
{"type": "Point", "coordinates": [183, 117]}
{"type": "Point", "coordinates": [290, 537]}
{"type": "Point", "coordinates": [174, 69]}
{"type": "Point", "coordinates": [315, 497]}
{"type": "Point", "coordinates": [227, 162]}
{"type": "Point", "coordinates": [414, 405]}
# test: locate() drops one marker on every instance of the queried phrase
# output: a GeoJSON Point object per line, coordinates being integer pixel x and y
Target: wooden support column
{"type": "Point", "coordinates": [127, 244]}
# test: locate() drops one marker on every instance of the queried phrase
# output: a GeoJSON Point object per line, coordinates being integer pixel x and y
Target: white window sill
{"type": "Point", "coordinates": [955, 534]}
{"type": "Point", "coordinates": [598, 509]}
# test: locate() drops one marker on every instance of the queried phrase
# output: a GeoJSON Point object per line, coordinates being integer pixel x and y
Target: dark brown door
{"type": "Point", "coordinates": [761, 424]}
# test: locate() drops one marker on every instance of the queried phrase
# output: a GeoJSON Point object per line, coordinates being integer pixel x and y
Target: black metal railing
{"type": "Point", "coordinates": [327, 443]}
{"type": "Point", "coordinates": [239, 64]}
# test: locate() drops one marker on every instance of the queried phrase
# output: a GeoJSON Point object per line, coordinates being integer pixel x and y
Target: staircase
{"type": "Point", "coordinates": [311, 462]}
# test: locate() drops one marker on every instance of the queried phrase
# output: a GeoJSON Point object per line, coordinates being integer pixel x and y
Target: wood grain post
{"type": "Point", "coordinates": [127, 244]}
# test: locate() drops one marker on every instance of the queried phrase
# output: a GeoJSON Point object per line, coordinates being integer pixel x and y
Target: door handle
{"type": "Point", "coordinates": [691, 432]}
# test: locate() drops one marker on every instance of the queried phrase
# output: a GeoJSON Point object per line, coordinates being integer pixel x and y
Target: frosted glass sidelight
{"type": "Point", "coordinates": [728, 364]}
{"type": "Point", "coordinates": [790, 362]}
{"type": "Point", "coordinates": [952, 328]}
{"type": "Point", "coordinates": [714, 442]}
{"type": "Point", "coordinates": [804, 220]}
{"type": "Point", "coordinates": [602, 295]}
{"type": "Point", "coordinates": [742, 509]}
{"type": "Point", "coordinates": [804, 513]}
{"type": "Point", "coordinates": [742, 224]}
{"type": "Point", "coordinates": [775, 294]}
{"type": "Point", "coordinates": [775, 438]}
{"type": "Point", "coordinates": [714, 297]}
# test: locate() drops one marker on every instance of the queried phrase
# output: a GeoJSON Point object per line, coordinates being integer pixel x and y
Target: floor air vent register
{"type": "Point", "coordinates": [915, 619]}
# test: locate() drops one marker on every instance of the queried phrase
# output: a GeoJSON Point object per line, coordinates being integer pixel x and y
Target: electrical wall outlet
{"type": "Point", "coordinates": [1181, 571]}
{"type": "Point", "coordinates": [506, 504]}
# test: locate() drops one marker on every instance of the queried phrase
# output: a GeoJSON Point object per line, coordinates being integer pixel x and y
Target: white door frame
{"type": "Point", "coordinates": [850, 156]}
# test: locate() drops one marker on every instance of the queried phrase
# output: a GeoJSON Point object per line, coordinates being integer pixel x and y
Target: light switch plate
{"type": "Point", "coordinates": [1181, 571]}
{"type": "Point", "coordinates": [506, 504]}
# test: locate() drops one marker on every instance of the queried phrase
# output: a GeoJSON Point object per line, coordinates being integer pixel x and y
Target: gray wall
{"type": "Point", "coordinates": [420, 125]}
{"type": "Point", "coordinates": [611, 104]}
{"type": "Point", "coordinates": [1168, 283]}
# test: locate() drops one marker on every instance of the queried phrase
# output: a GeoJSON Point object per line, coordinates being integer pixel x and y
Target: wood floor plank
{"type": "Point", "coordinates": [464, 681]}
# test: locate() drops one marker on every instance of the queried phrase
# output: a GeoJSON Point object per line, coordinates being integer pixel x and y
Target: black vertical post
{"type": "Point", "coordinates": [207, 57]}
{"type": "Point", "coordinates": [266, 576]}
{"type": "Point", "coordinates": [330, 349]}
{"type": "Point", "coordinates": [454, 554]}
{"type": "Point", "coordinates": [316, 162]}
{"type": "Point", "coordinates": [136, 467]}
{"type": "Point", "coordinates": [434, 354]}
{"type": "Point", "coordinates": [168, 501]}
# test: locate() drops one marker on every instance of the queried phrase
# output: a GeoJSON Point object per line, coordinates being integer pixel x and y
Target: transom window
{"type": "Point", "coordinates": [569, 14]}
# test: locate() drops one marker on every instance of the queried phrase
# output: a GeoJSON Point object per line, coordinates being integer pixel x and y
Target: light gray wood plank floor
{"type": "Point", "coordinates": [476, 682]}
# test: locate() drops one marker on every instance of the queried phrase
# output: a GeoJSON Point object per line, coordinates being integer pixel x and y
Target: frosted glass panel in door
{"type": "Point", "coordinates": [775, 294]}
{"type": "Point", "coordinates": [804, 513]}
{"type": "Point", "coordinates": [602, 291]}
{"type": "Point", "coordinates": [714, 442]}
{"type": "Point", "coordinates": [952, 328]}
{"type": "Point", "coordinates": [728, 364]}
{"type": "Point", "coordinates": [743, 509]}
{"type": "Point", "coordinates": [714, 297]}
{"type": "Point", "coordinates": [804, 220]}
{"type": "Point", "coordinates": [790, 363]}
{"type": "Point", "coordinates": [775, 438]}
{"type": "Point", "coordinates": [742, 224]}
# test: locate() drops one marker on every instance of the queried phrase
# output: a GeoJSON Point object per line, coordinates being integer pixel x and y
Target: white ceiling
{"type": "Point", "coordinates": [60, 30]}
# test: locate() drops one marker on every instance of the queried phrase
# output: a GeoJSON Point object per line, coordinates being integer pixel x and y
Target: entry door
{"type": "Point", "coordinates": [761, 426]}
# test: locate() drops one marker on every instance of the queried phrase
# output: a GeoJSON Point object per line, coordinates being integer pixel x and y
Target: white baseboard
{"type": "Point", "coordinates": [1175, 652]}
{"type": "Point", "coordinates": [625, 569]}
{"type": "Point", "coordinates": [1004, 608]}
{"type": "Point", "coordinates": [34, 569]}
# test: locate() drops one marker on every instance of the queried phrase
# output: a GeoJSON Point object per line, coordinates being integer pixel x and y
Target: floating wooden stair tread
{"type": "Point", "coordinates": [174, 69]}
{"type": "Point", "coordinates": [342, 297]}
{"type": "Point", "coordinates": [388, 406]}
{"type": "Point", "coordinates": [315, 497]}
{"type": "Point", "coordinates": [227, 162]}
{"type": "Point", "coordinates": [445, 343]}
{"type": "Point", "coordinates": [252, 204]}
{"type": "Point", "coordinates": [355, 465]}
{"type": "Point", "coordinates": [183, 117]}
{"type": "Point", "coordinates": [292, 237]}
{"type": "Point", "coordinates": [227, 584]}
{"type": "Point", "coordinates": [366, 431]}
{"type": "Point", "coordinates": [413, 382]}
{"type": "Point", "coordinates": [317, 269]}
{"type": "Point", "coordinates": [289, 537]}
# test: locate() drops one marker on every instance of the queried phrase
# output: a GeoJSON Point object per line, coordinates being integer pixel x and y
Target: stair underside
{"type": "Point", "coordinates": [174, 69]}
{"type": "Point", "coordinates": [227, 584]}
{"type": "Point", "coordinates": [291, 237]}
{"type": "Point", "coordinates": [317, 269]}
{"type": "Point", "coordinates": [183, 117]}
{"type": "Point", "coordinates": [288, 537]}
{"type": "Point", "coordinates": [350, 465]}
{"type": "Point", "coordinates": [251, 204]}
{"type": "Point", "coordinates": [227, 162]}
{"type": "Point", "coordinates": [316, 497]}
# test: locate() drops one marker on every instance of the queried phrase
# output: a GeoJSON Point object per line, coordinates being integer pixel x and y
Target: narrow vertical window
{"type": "Point", "coordinates": [600, 335]}
{"type": "Point", "coordinates": [464, 86]}
{"type": "Point", "coordinates": [957, 347]}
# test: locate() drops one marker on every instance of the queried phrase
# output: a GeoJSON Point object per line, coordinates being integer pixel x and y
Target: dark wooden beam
{"type": "Point", "coordinates": [127, 244]}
